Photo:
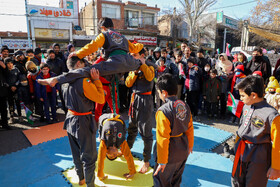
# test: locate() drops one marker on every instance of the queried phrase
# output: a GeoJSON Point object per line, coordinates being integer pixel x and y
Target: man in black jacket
{"type": "Point", "coordinates": [20, 62]}
{"type": "Point", "coordinates": [258, 63]}
{"type": "Point", "coordinates": [57, 66]}
{"type": "Point", "coordinates": [4, 89]}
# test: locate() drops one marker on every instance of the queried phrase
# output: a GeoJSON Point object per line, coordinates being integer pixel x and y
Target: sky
{"type": "Point", "coordinates": [15, 8]}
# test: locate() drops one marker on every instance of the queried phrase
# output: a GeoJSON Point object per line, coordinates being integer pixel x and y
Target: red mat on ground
{"type": "Point", "coordinates": [45, 133]}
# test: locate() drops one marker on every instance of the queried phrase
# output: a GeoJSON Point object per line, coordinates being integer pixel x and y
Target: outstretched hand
{"type": "Point", "coordinates": [160, 168]}
{"type": "Point", "coordinates": [50, 81]}
{"type": "Point", "coordinates": [72, 54]}
{"type": "Point", "coordinates": [128, 176]}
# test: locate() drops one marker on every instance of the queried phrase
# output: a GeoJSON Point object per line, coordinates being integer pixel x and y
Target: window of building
{"type": "Point", "coordinates": [148, 18]}
{"type": "Point", "coordinates": [111, 11]}
{"type": "Point", "coordinates": [131, 18]}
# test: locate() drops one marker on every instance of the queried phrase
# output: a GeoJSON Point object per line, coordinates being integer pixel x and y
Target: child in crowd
{"type": "Point", "coordinates": [257, 147]}
{"type": "Point", "coordinates": [33, 72]}
{"type": "Point", "coordinates": [239, 75]}
{"type": "Point", "coordinates": [161, 70]}
{"type": "Point", "coordinates": [13, 80]}
{"type": "Point", "coordinates": [174, 135]}
{"type": "Point", "coordinates": [211, 93]}
{"type": "Point", "coordinates": [47, 94]}
{"type": "Point", "coordinates": [193, 86]}
{"type": "Point", "coordinates": [112, 133]}
{"type": "Point", "coordinates": [181, 76]}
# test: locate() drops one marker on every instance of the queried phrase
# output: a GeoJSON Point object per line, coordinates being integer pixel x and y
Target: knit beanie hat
{"type": "Point", "coordinates": [69, 47]}
{"type": "Point", "coordinates": [37, 51]}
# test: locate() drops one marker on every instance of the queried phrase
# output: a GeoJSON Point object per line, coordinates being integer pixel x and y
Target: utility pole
{"type": "Point", "coordinates": [225, 39]}
{"type": "Point", "coordinates": [27, 21]}
{"type": "Point", "coordinates": [245, 36]}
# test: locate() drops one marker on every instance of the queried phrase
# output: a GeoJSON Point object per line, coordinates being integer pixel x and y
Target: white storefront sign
{"type": "Point", "coordinates": [15, 43]}
{"type": "Point", "coordinates": [146, 40]}
{"type": "Point", "coordinates": [50, 12]}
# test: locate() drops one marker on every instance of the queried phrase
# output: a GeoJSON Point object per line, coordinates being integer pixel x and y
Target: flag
{"type": "Point", "coordinates": [227, 49]}
{"type": "Point", "coordinates": [234, 105]}
{"type": "Point", "coordinates": [218, 51]}
{"type": "Point", "coordinates": [43, 59]}
{"type": "Point", "coordinates": [28, 114]}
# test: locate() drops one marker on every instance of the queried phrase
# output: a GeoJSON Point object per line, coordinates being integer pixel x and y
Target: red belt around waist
{"type": "Point", "coordinates": [130, 112]}
{"type": "Point", "coordinates": [239, 152]}
{"type": "Point", "coordinates": [78, 113]}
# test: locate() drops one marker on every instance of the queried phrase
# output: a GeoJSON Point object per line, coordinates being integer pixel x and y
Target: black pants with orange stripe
{"type": "Point", "coordinates": [252, 175]}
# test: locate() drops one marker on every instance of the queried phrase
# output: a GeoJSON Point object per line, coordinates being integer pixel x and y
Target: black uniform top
{"type": "Point", "coordinates": [112, 130]}
{"type": "Point", "coordinates": [3, 82]}
{"type": "Point", "coordinates": [80, 96]}
{"type": "Point", "coordinates": [114, 41]}
{"type": "Point", "coordinates": [255, 127]}
{"type": "Point", "coordinates": [179, 116]}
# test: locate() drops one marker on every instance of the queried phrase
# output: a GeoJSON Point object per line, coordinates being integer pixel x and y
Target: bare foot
{"type": "Point", "coordinates": [144, 168]}
{"type": "Point", "coordinates": [82, 182]}
{"type": "Point", "coordinates": [51, 81]}
{"type": "Point", "coordinates": [103, 178]}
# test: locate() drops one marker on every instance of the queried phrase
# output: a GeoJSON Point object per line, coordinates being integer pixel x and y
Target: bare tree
{"type": "Point", "coordinates": [170, 24]}
{"type": "Point", "coordinates": [266, 14]}
{"type": "Point", "coordinates": [193, 10]}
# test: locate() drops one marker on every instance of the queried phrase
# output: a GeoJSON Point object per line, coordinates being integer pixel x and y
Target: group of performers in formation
{"type": "Point", "coordinates": [257, 144]}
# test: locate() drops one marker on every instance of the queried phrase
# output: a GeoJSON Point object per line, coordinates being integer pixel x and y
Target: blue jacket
{"type": "Point", "coordinates": [41, 91]}
{"type": "Point", "coordinates": [194, 78]}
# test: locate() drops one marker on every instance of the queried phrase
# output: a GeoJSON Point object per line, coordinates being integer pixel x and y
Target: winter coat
{"type": "Point", "coordinates": [56, 65]}
{"type": "Point", "coordinates": [13, 77]}
{"type": "Point", "coordinates": [194, 78]}
{"type": "Point", "coordinates": [212, 89]}
{"type": "Point", "coordinates": [20, 65]}
{"type": "Point", "coordinates": [262, 66]}
{"type": "Point", "coordinates": [3, 82]}
{"type": "Point", "coordinates": [181, 79]}
{"type": "Point", "coordinates": [41, 91]}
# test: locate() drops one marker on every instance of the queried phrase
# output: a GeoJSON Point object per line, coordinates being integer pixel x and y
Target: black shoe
{"type": "Point", "coordinates": [55, 120]}
{"type": "Point", "coordinates": [42, 119]}
{"type": "Point", "coordinates": [49, 121]}
{"type": "Point", "coordinates": [7, 127]}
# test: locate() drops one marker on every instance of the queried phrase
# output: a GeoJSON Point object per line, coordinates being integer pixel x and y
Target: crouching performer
{"type": "Point", "coordinates": [112, 131]}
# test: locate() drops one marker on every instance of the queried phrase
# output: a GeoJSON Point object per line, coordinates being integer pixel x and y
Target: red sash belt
{"type": "Point", "coordinates": [130, 112]}
{"type": "Point", "coordinates": [239, 152]}
{"type": "Point", "coordinates": [78, 113]}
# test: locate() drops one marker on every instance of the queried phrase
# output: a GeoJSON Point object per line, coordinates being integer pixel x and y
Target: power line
{"type": "Point", "coordinates": [229, 6]}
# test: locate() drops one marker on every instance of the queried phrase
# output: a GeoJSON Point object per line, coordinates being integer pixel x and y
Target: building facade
{"type": "Point", "coordinates": [173, 30]}
{"type": "Point", "coordinates": [137, 21]}
{"type": "Point", "coordinates": [50, 25]}
{"type": "Point", "coordinates": [14, 40]}
{"type": "Point", "coordinates": [215, 30]}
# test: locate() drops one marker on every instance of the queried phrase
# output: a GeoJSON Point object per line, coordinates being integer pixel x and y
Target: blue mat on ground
{"type": "Point", "coordinates": [55, 180]}
{"type": "Point", "coordinates": [209, 170]}
{"type": "Point", "coordinates": [25, 167]}
{"type": "Point", "coordinates": [206, 138]}
{"type": "Point", "coordinates": [41, 165]}
{"type": "Point", "coordinates": [59, 152]}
